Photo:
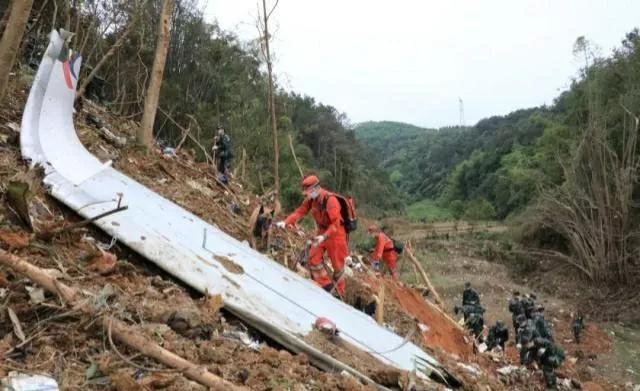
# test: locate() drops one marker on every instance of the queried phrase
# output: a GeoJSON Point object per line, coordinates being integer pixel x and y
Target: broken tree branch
{"type": "Point", "coordinates": [182, 129]}
{"type": "Point", "coordinates": [122, 332]}
{"type": "Point", "coordinates": [295, 158]}
{"type": "Point", "coordinates": [49, 234]}
{"type": "Point", "coordinates": [87, 80]}
{"type": "Point", "coordinates": [423, 274]}
{"type": "Point", "coordinates": [380, 305]}
{"type": "Point", "coordinates": [438, 306]}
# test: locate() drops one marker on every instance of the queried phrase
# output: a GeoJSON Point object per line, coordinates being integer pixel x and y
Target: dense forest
{"type": "Point", "coordinates": [472, 171]}
{"type": "Point", "coordinates": [211, 78]}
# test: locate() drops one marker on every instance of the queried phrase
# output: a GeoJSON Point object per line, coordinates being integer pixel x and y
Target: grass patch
{"type": "Point", "coordinates": [428, 211]}
{"type": "Point", "coordinates": [431, 261]}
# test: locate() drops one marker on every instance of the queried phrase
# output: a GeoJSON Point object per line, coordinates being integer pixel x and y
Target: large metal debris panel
{"type": "Point", "coordinates": [179, 242]}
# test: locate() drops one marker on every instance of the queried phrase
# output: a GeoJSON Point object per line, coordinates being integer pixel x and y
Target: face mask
{"type": "Point", "coordinates": [313, 194]}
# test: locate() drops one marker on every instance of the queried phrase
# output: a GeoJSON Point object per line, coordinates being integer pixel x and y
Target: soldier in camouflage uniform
{"type": "Point", "coordinates": [542, 327]}
{"type": "Point", "coordinates": [473, 318]}
{"type": "Point", "coordinates": [577, 325]}
{"type": "Point", "coordinates": [470, 296]}
{"type": "Point", "coordinates": [498, 336]}
{"type": "Point", "coordinates": [529, 303]}
{"type": "Point", "coordinates": [551, 357]}
{"type": "Point", "coordinates": [525, 340]}
{"type": "Point", "coordinates": [516, 308]}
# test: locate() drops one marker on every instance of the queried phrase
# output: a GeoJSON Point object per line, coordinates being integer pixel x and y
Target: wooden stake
{"type": "Point", "coordinates": [380, 304]}
{"type": "Point", "coordinates": [121, 331]}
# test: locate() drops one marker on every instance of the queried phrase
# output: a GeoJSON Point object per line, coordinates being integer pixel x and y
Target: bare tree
{"type": "Point", "coordinates": [145, 132]}
{"type": "Point", "coordinates": [11, 38]}
{"type": "Point", "coordinates": [112, 50]}
{"type": "Point", "coordinates": [593, 210]}
{"type": "Point", "coordinates": [272, 101]}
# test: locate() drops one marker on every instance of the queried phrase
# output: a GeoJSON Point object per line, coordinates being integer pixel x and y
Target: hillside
{"type": "Point", "coordinates": [194, 279]}
{"type": "Point", "coordinates": [124, 287]}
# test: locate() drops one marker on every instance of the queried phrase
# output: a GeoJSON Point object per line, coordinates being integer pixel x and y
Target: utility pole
{"type": "Point", "coordinates": [461, 107]}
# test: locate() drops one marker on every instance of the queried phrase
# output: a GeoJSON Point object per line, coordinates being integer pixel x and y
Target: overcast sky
{"type": "Point", "coordinates": [409, 61]}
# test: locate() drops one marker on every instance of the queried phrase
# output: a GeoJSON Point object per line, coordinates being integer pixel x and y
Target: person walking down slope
{"type": "Point", "coordinates": [577, 326]}
{"type": "Point", "coordinates": [384, 249]}
{"type": "Point", "coordinates": [529, 304]}
{"type": "Point", "coordinates": [542, 326]}
{"type": "Point", "coordinates": [222, 154]}
{"type": "Point", "coordinates": [551, 357]}
{"type": "Point", "coordinates": [331, 236]}
{"type": "Point", "coordinates": [469, 295]}
{"type": "Point", "coordinates": [516, 308]}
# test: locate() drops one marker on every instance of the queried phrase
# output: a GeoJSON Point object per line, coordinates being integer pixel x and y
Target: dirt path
{"type": "Point", "coordinates": [609, 353]}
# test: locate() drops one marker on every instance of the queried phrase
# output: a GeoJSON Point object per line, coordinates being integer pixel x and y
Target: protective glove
{"type": "Point", "coordinates": [281, 225]}
{"type": "Point", "coordinates": [518, 346]}
{"type": "Point", "coordinates": [215, 147]}
{"type": "Point", "coordinates": [375, 264]}
{"type": "Point", "coordinates": [319, 239]}
{"type": "Point", "coordinates": [348, 260]}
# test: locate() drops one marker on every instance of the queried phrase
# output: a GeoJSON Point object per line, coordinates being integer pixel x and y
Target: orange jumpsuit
{"type": "Point", "coordinates": [329, 223]}
{"type": "Point", "coordinates": [385, 250]}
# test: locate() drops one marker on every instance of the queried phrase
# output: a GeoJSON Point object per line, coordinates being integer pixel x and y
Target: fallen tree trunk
{"type": "Point", "coordinates": [123, 332]}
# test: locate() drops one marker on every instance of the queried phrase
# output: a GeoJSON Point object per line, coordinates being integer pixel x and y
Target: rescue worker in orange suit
{"type": "Point", "coordinates": [384, 249]}
{"type": "Point", "coordinates": [330, 236]}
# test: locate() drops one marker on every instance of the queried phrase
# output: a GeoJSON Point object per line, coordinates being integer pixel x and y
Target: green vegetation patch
{"type": "Point", "coordinates": [428, 211]}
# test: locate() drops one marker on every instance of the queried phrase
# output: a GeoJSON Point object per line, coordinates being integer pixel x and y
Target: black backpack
{"type": "Point", "coordinates": [398, 246]}
{"type": "Point", "coordinates": [347, 210]}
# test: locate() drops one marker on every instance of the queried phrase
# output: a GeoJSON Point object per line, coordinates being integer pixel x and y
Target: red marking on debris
{"type": "Point", "coordinates": [67, 74]}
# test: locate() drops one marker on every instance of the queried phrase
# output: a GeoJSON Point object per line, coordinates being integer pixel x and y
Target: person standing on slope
{"type": "Point", "coordinates": [384, 249]}
{"type": "Point", "coordinates": [331, 236]}
{"type": "Point", "coordinates": [222, 154]}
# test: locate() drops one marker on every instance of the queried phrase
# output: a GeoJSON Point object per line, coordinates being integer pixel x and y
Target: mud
{"type": "Point", "coordinates": [440, 331]}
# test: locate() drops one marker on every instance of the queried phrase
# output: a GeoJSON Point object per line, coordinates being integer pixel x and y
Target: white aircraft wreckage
{"type": "Point", "coordinates": [264, 294]}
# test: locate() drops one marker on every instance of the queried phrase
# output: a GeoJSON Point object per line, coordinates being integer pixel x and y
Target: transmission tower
{"type": "Point", "coordinates": [461, 106]}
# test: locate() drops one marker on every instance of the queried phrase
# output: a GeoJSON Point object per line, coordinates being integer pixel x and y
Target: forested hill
{"type": "Point", "coordinates": [460, 166]}
{"type": "Point", "coordinates": [418, 160]}
{"type": "Point", "coordinates": [499, 166]}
